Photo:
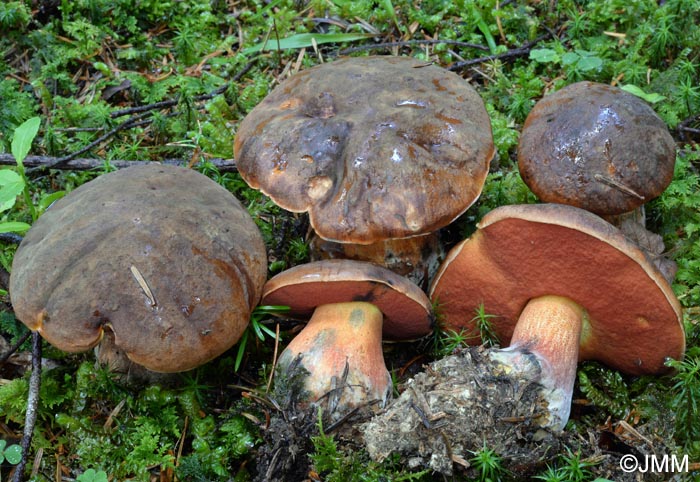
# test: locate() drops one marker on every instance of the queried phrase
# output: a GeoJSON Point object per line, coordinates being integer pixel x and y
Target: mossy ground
{"type": "Point", "coordinates": [163, 79]}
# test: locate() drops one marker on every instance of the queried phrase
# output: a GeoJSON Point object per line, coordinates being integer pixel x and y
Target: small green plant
{"type": "Point", "coordinates": [15, 183]}
{"type": "Point", "coordinates": [337, 466]}
{"type": "Point", "coordinates": [448, 340]}
{"type": "Point", "coordinates": [91, 475]}
{"type": "Point", "coordinates": [685, 401]}
{"type": "Point", "coordinates": [451, 340]}
{"type": "Point", "coordinates": [577, 62]}
{"type": "Point", "coordinates": [10, 453]}
{"type": "Point", "coordinates": [488, 465]}
{"type": "Point", "coordinates": [483, 323]}
{"type": "Point", "coordinates": [257, 328]}
{"type": "Point", "coordinates": [606, 389]}
{"type": "Point", "coordinates": [574, 469]}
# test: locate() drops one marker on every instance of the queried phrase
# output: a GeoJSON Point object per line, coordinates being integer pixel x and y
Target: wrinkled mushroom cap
{"type": "Point", "coordinates": [372, 147]}
{"type": "Point", "coordinates": [596, 147]}
{"type": "Point", "coordinates": [161, 256]}
{"type": "Point", "coordinates": [522, 252]}
{"type": "Point", "coordinates": [407, 310]}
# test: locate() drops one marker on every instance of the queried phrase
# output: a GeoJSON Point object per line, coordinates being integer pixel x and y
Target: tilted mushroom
{"type": "Point", "coordinates": [350, 305]}
{"type": "Point", "coordinates": [375, 149]}
{"type": "Point", "coordinates": [158, 265]}
{"type": "Point", "coordinates": [564, 285]}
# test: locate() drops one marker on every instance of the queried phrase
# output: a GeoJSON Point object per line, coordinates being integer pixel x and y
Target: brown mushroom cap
{"type": "Point", "coordinates": [522, 252]}
{"type": "Point", "coordinates": [596, 147]}
{"type": "Point", "coordinates": [161, 256]}
{"type": "Point", "coordinates": [407, 310]}
{"type": "Point", "coordinates": [372, 147]}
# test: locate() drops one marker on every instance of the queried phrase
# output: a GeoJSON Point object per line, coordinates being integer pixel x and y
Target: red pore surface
{"type": "Point", "coordinates": [523, 252]}
{"type": "Point", "coordinates": [407, 310]}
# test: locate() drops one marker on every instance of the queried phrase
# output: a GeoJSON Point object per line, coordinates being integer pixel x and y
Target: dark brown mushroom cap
{"type": "Point", "coordinates": [195, 248]}
{"type": "Point", "coordinates": [373, 147]}
{"type": "Point", "coordinates": [522, 252]}
{"type": "Point", "coordinates": [596, 147]}
{"type": "Point", "coordinates": [407, 310]}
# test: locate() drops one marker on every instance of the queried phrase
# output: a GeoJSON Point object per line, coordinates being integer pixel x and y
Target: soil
{"type": "Point", "coordinates": [467, 401]}
{"type": "Point", "coordinates": [445, 414]}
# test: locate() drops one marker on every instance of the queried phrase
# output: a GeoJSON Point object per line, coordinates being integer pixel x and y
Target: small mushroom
{"type": "Point", "coordinates": [158, 265]}
{"type": "Point", "coordinates": [350, 305]}
{"type": "Point", "coordinates": [373, 148]}
{"type": "Point", "coordinates": [596, 147]}
{"type": "Point", "coordinates": [564, 285]}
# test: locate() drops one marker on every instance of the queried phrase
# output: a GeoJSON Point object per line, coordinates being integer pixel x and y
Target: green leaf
{"type": "Point", "coordinates": [23, 138]}
{"type": "Point", "coordinates": [652, 98]}
{"type": "Point", "coordinates": [389, 8]}
{"type": "Point", "coordinates": [570, 58]}
{"type": "Point", "coordinates": [13, 454]}
{"type": "Point", "coordinates": [49, 199]}
{"type": "Point", "coordinates": [589, 63]}
{"type": "Point", "coordinates": [302, 40]}
{"type": "Point", "coordinates": [544, 55]}
{"type": "Point", "coordinates": [14, 227]}
{"type": "Point", "coordinates": [11, 185]}
{"type": "Point", "coordinates": [91, 475]}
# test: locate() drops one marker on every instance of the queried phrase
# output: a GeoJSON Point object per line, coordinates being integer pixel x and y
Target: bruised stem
{"type": "Point", "coordinates": [341, 348]}
{"type": "Point", "coordinates": [549, 329]}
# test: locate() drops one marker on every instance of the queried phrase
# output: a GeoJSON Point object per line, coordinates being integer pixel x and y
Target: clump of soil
{"type": "Point", "coordinates": [458, 405]}
{"type": "Point", "coordinates": [469, 400]}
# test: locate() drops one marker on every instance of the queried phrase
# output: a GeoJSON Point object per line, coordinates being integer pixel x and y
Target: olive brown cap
{"type": "Point", "coordinates": [372, 147]}
{"type": "Point", "coordinates": [524, 252]}
{"type": "Point", "coordinates": [160, 259]}
{"type": "Point", "coordinates": [596, 147]}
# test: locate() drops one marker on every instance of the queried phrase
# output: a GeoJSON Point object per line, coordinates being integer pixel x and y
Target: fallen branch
{"type": "Point", "coordinates": [684, 127]}
{"type": "Point", "coordinates": [140, 115]}
{"type": "Point", "coordinates": [172, 102]}
{"type": "Point", "coordinates": [86, 164]}
{"type": "Point", "coordinates": [516, 52]}
{"type": "Point", "coordinates": [6, 356]}
{"type": "Point", "coordinates": [32, 406]}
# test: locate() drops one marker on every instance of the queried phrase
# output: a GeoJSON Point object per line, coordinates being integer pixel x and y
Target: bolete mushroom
{"type": "Point", "coordinates": [375, 149]}
{"type": "Point", "coordinates": [350, 306]}
{"type": "Point", "coordinates": [159, 265]}
{"type": "Point", "coordinates": [600, 148]}
{"type": "Point", "coordinates": [563, 285]}
{"type": "Point", "coordinates": [596, 147]}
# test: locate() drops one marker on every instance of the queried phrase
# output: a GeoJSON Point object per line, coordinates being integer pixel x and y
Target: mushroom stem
{"type": "Point", "coordinates": [341, 348]}
{"type": "Point", "coordinates": [417, 258]}
{"type": "Point", "coordinates": [548, 335]}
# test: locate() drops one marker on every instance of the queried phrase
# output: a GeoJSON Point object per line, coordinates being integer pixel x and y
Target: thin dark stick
{"type": "Point", "coordinates": [15, 347]}
{"type": "Point", "coordinates": [124, 125]}
{"type": "Point", "coordinates": [684, 127]}
{"type": "Point", "coordinates": [10, 237]}
{"type": "Point", "coordinates": [138, 118]}
{"type": "Point", "coordinates": [32, 405]}
{"type": "Point", "coordinates": [406, 43]}
{"type": "Point", "coordinates": [517, 52]}
{"type": "Point", "coordinates": [86, 164]}
{"type": "Point", "coordinates": [169, 103]}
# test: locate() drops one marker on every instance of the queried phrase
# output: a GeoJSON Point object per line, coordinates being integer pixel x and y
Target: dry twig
{"type": "Point", "coordinates": [32, 406]}
{"type": "Point", "coordinates": [86, 164]}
